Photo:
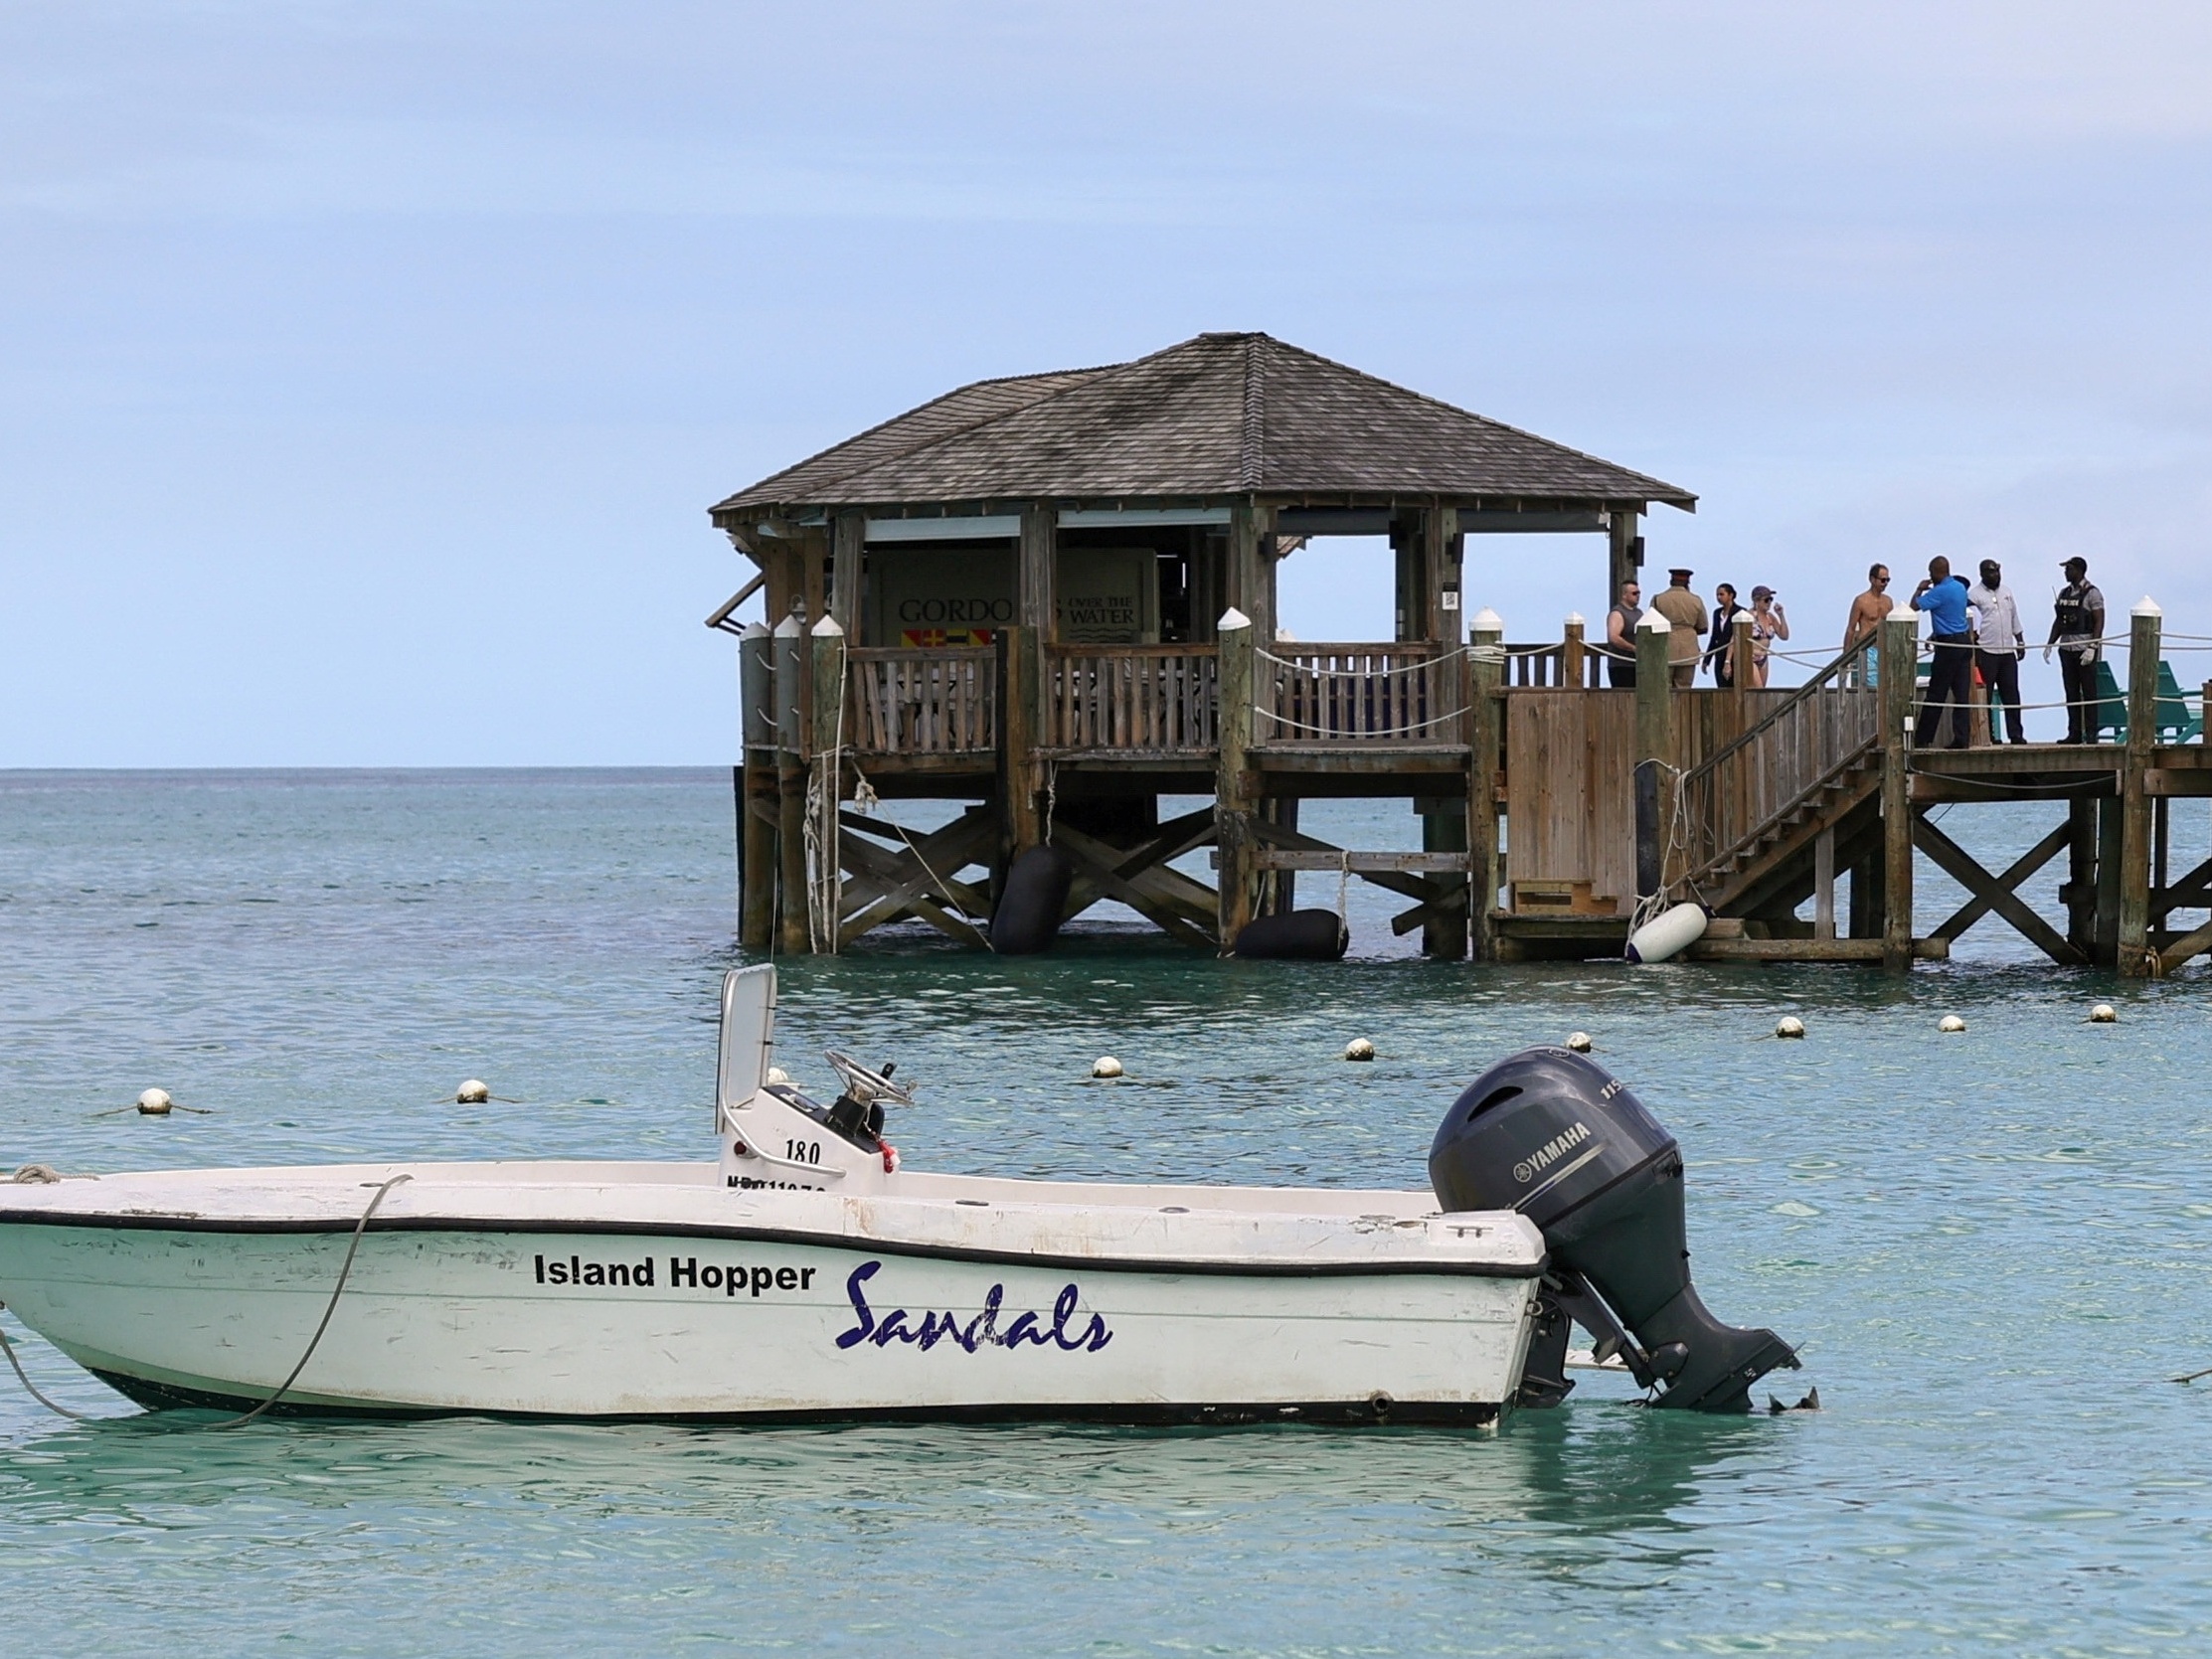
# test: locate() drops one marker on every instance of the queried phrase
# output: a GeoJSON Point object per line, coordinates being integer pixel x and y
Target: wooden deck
{"type": "Point", "coordinates": [1551, 807]}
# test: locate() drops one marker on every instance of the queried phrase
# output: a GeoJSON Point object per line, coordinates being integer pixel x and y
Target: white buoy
{"type": "Point", "coordinates": [1789, 1026]}
{"type": "Point", "coordinates": [2103, 1014]}
{"type": "Point", "coordinates": [778, 1077]}
{"type": "Point", "coordinates": [1669, 933]}
{"type": "Point", "coordinates": [1106, 1065]}
{"type": "Point", "coordinates": [1359, 1049]}
{"type": "Point", "coordinates": [474, 1093]}
{"type": "Point", "coordinates": [1950, 1025]}
{"type": "Point", "coordinates": [1579, 1042]}
{"type": "Point", "coordinates": [155, 1102]}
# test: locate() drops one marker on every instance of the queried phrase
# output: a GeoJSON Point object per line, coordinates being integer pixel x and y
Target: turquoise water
{"type": "Point", "coordinates": [1994, 1249]}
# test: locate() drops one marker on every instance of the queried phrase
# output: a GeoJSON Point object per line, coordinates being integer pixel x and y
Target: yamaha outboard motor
{"type": "Point", "coordinates": [1559, 1138]}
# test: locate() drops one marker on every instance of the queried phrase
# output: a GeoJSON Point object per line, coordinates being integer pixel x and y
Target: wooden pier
{"type": "Point", "coordinates": [1052, 600]}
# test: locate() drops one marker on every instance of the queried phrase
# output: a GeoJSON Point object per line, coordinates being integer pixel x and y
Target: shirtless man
{"type": "Point", "coordinates": [1867, 612]}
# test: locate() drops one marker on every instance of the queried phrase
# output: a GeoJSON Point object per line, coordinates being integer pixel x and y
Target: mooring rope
{"type": "Point", "coordinates": [345, 1272]}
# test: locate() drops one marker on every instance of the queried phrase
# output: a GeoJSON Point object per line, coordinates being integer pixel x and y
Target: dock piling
{"type": "Point", "coordinates": [1485, 672]}
{"type": "Point", "coordinates": [2134, 957]}
{"type": "Point", "coordinates": [1899, 646]}
{"type": "Point", "coordinates": [756, 791]}
{"type": "Point", "coordinates": [1655, 749]}
{"type": "Point", "coordinates": [1235, 794]}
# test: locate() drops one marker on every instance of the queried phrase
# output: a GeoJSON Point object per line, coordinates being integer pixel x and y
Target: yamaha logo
{"type": "Point", "coordinates": [1549, 1153]}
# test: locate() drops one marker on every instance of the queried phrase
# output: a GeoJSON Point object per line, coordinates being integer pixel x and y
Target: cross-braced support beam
{"type": "Point", "coordinates": [914, 876]}
{"type": "Point", "coordinates": [1993, 893]}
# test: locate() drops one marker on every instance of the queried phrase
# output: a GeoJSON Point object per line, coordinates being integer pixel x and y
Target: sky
{"type": "Point", "coordinates": [367, 369]}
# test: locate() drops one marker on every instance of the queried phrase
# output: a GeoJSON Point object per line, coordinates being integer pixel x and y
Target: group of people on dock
{"type": "Point", "coordinates": [1975, 634]}
{"type": "Point", "coordinates": [1689, 623]}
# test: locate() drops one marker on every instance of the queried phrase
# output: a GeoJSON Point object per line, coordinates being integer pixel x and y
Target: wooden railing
{"type": "Point", "coordinates": [1153, 699]}
{"type": "Point", "coordinates": [903, 700]}
{"type": "Point", "coordinates": [1816, 734]}
{"type": "Point", "coordinates": [1403, 693]}
{"type": "Point", "coordinates": [1570, 664]}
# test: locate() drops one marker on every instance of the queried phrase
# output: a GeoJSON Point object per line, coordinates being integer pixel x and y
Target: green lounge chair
{"type": "Point", "coordinates": [2172, 724]}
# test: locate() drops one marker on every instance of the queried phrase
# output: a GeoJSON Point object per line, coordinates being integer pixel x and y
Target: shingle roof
{"type": "Point", "coordinates": [1218, 414]}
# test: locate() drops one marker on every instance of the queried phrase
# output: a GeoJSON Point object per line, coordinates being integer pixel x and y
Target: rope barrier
{"type": "Point", "coordinates": [1379, 673]}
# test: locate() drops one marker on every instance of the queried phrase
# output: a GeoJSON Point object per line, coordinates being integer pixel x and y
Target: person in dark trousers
{"type": "Point", "coordinates": [1998, 648]}
{"type": "Point", "coordinates": [1951, 679]}
{"type": "Point", "coordinates": [1716, 657]}
{"type": "Point", "coordinates": [2076, 628]}
{"type": "Point", "coordinates": [1620, 636]}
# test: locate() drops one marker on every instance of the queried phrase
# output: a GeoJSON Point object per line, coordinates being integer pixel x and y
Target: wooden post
{"type": "Point", "coordinates": [1018, 703]}
{"type": "Point", "coordinates": [1252, 570]}
{"type": "Point", "coordinates": [1867, 908]}
{"type": "Point", "coordinates": [2135, 959]}
{"type": "Point", "coordinates": [757, 736]}
{"type": "Point", "coordinates": [849, 535]}
{"type": "Point", "coordinates": [1441, 552]}
{"type": "Point", "coordinates": [2080, 892]}
{"type": "Point", "coordinates": [1625, 550]}
{"type": "Point", "coordinates": [1485, 752]}
{"type": "Point", "coordinates": [1739, 704]}
{"type": "Point", "coordinates": [1899, 645]}
{"type": "Point", "coordinates": [1038, 607]}
{"type": "Point", "coordinates": [1824, 884]}
{"type": "Point", "coordinates": [1654, 751]}
{"type": "Point", "coordinates": [791, 784]}
{"type": "Point", "coordinates": [2105, 923]}
{"type": "Point", "coordinates": [1573, 654]}
{"type": "Point", "coordinates": [826, 894]}
{"type": "Point", "coordinates": [1235, 797]}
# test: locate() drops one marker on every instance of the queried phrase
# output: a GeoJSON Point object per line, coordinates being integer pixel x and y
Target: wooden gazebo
{"type": "Point", "coordinates": [1023, 584]}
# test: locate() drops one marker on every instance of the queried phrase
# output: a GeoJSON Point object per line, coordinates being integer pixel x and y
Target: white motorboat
{"type": "Point", "coordinates": [806, 1275]}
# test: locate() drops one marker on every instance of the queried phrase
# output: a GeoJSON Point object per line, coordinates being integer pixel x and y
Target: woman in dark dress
{"type": "Point", "coordinates": [1725, 612]}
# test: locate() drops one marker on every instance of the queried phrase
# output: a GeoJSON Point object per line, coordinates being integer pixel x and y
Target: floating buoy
{"type": "Point", "coordinates": [1789, 1026]}
{"type": "Point", "coordinates": [1667, 934]}
{"type": "Point", "coordinates": [1359, 1049]}
{"type": "Point", "coordinates": [1106, 1065]}
{"type": "Point", "coordinates": [474, 1093]}
{"type": "Point", "coordinates": [1950, 1025]}
{"type": "Point", "coordinates": [1578, 1042]}
{"type": "Point", "coordinates": [778, 1077]}
{"type": "Point", "coordinates": [2103, 1014]}
{"type": "Point", "coordinates": [155, 1102]}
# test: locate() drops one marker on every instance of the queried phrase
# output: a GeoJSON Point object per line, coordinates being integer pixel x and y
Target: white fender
{"type": "Point", "coordinates": [1667, 934]}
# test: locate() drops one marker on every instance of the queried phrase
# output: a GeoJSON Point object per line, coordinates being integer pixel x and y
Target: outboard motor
{"type": "Point", "coordinates": [1562, 1140]}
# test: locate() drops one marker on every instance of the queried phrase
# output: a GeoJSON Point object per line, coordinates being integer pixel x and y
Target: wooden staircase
{"type": "Point", "coordinates": [1755, 810]}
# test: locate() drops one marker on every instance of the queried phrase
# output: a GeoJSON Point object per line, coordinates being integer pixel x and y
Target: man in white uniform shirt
{"type": "Point", "coordinates": [1998, 648]}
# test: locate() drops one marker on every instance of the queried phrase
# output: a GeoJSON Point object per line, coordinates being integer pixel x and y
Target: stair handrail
{"type": "Point", "coordinates": [1772, 716]}
{"type": "Point", "coordinates": [1704, 860]}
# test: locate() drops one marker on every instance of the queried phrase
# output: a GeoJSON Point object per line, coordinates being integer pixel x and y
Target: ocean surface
{"type": "Point", "coordinates": [1996, 1249]}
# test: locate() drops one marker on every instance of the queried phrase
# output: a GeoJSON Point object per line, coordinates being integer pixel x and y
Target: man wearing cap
{"type": "Point", "coordinates": [1950, 677]}
{"type": "Point", "coordinates": [2077, 627]}
{"type": "Point", "coordinates": [1685, 614]}
{"type": "Point", "coordinates": [1998, 647]}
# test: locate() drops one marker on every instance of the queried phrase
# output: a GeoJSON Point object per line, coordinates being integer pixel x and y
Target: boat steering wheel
{"type": "Point", "coordinates": [865, 1086]}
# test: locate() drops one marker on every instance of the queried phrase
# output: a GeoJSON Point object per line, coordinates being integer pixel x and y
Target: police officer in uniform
{"type": "Point", "coordinates": [2076, 624]}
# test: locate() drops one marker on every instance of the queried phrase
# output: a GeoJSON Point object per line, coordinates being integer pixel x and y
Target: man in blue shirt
{"type": "Point", "coordinates": [1951, 679]}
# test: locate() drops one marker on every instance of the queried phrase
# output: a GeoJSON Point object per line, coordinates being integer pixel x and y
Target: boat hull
{"type": "Point", "coordinates": [722, 1324]}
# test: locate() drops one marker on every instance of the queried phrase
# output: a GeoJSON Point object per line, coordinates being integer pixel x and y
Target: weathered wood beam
{"type": "Point", "coordinates": [1897, 647]}
{"type": "Point", "coordinates": [2133, 956]}
{"type": "Point", "coordinates": [756, 739]}
{"type": "Point", "coordinates": [1485, 673]}
{"type": "Point", "coordinates": [1361, 864]}
{"type": "Point", "coordinates": [1955, 862]}
{"type": "Point", "coordinates": [2015, 873]}
{"type": "Point", "coordinates": [2184, 947]}
{"type": "Point", "coordinates": [1100, 863]}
